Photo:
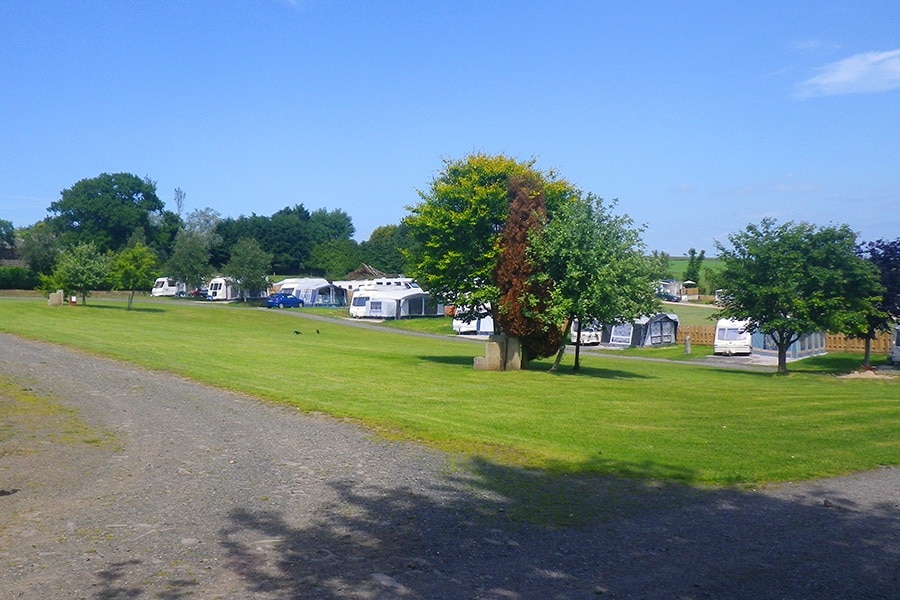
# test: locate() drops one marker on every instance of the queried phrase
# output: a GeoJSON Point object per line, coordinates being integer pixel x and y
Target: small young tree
{"type": "Point", "coordinates": [248, 267]}
{"type": "Point", "coordinates": [81, 269]}
{"type": "Point", "coordinates": [596, 263]}
{"type": "Point", "coordinates": [695, 261]}
{"type": "Point", "coordinates": [133, 269]}
{"type": "Point", "coordinates": [189, 261]}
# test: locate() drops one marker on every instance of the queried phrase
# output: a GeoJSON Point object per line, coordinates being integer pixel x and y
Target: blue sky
{"type": "Point", "coordinates": [699, 117]}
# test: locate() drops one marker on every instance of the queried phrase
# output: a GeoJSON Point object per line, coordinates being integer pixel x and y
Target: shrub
{"type": "Point", "coordinates": [17, 278]}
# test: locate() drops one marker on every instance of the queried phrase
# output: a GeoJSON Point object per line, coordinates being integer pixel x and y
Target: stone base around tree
{"type": "Point", "coordinates": [501, 353]}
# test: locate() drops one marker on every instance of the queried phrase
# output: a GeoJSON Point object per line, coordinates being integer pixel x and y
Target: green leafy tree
{"type": "Point", "coordinates": [885, 256]}
{"type": "Point", "coordinates": [7, 239]}
{"type": "Point", "coordinates": [81, 270]}
{"type": "Point", "coordinates": [335, 258]}
{"type": "Point", "coordinates": [230, 231]}
{"type": "Point", "coordinates": [794, 279]}
{"type": "Point", "coordinates": [384, 248]}
{"type": "Point", "coordinates": [106, 210]}
{"type": "Point", "coordinates": [189, 261]}
{"type": "Point", "coordinates": [327, 225]}
{"type": "Point", "coordinates": [203, 223]}
{"type": "Point", "coordinates": [659, 264]}
{"type": "Point", "coordinates": [40, 248]}
{"type": "Point", "coordinates": [248, 267]}
{"type": "Point", "coordinates": [695, 261]}
{"type": "Point", "coordinates": [597, 266]}
{"type": "Point", "coordinates": [456, 228]}
{"type": "Point", "coordinates": [134, 268]}
{"type": "Point", "coordinates": [288, 239]}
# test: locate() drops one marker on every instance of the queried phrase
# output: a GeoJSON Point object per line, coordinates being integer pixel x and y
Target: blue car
{"type": "Point", "coordinates": [283, 301]}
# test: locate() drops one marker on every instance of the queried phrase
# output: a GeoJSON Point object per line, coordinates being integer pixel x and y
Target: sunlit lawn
{"type": "Point", "coordinates": [636, 418]}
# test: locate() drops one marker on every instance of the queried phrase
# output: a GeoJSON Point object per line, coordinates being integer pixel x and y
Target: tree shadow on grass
{"type": "Point", "coordinates": [596, 372]}
{"type": "Point", "coordinates": [494, 532]}
{"type": "Point", "coordinates": [543, 367]}
{"type": "Point", "coordinates": [465, 361]}
{"type": "Point", "coordinates": [122, 308]}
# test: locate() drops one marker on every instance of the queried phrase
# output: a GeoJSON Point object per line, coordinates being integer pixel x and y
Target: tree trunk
{"type": "Point", "coordinates": [782, 359]}
{"type": "Point", "coordinates": [562, 347]}
{"type": "Point", "coordinates": [577, 366]}
{"type": "Point", "coordinates": [130, 299]}
{"type": "Point", "coordinates": [867, 359]}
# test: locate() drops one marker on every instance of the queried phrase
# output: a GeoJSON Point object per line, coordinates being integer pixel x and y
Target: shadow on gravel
{"type": "Point", "coordinates": [495, 532]}
{"type": "Point", "coordinates": [111, 582]}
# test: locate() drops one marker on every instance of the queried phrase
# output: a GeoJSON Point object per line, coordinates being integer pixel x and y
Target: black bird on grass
{"type": "Point", "coordinates": [297, 332]}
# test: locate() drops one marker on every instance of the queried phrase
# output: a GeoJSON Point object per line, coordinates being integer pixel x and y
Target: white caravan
{"type": "Point", "coordinates": [222, 288]}
{"type": "Point", "coordinates": [591, 334]}
{"type": "Point", "coordinates": [483, 325]}
{"type": "Point", "coordinates": [732, 337]}
{"type": "Point", "coordinates": [166, 286]}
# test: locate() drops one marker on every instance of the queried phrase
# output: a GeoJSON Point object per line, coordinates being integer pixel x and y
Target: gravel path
{"type": "Point", "coordinates": [148, 485]}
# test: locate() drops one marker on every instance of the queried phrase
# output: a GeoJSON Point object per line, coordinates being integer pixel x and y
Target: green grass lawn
{"type": "Point", "coordinates": [677, 422]}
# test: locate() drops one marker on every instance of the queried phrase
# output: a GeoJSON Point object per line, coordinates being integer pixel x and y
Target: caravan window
{"type": "Point", "coordinates": [730, 334]}
{"type": "Point", "coordinates": [287, 291]}
{"type": "Point", "coordinates": [375, 306]}
{"type": "Point", "coordinates": [662, 332]}
{"type": "Point", "coordinates": [621, 334]}
{"type": "Point", "coordinates": [360, 300]}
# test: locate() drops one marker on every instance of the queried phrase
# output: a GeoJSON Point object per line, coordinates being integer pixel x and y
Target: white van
{"type": "Point", "coordinates": [166, 286]}
{"type": "Point", "coordinates": [732, 337]}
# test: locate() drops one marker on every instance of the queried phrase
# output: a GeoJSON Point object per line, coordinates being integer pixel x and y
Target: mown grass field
{"type": "Point", "coordinates": [677, 422]}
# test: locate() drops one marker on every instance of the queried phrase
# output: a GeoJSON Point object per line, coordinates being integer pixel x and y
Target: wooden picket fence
{"type": "Point", "coordinates": [705, 335]}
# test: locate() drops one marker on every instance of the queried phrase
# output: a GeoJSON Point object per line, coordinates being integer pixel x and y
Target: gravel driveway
{"type": "Point", "coordinates": [118, 482]}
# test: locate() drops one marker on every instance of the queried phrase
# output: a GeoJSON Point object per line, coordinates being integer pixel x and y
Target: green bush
{"type": "Point", "coordinates": [17, 278]}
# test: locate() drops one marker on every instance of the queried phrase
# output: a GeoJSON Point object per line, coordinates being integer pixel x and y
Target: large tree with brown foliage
{"type": "Point", "coordinates": [524, 298]}
{"type": "Point", "coordinates": [477, 241]}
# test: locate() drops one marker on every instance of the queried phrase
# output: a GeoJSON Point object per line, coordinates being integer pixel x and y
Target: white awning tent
{"type": "Point", "coordinates": [314, 291]}
{"type": "Point", "coordinates": [394, 303]}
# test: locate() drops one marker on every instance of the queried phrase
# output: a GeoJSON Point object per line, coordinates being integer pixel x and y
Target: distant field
{"type": "Point", "coordinates": [619, 416]}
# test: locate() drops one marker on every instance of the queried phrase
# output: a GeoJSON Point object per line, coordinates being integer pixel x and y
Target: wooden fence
{"type": "Point", "coordinates": [705, 335]}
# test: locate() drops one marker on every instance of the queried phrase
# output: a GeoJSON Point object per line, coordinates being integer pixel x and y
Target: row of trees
{"type": "Point", "coordinates": [493, 234]}
{"type": "Point", "coordinates": [110, 213]}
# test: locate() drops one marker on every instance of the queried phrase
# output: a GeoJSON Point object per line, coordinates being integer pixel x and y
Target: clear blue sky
{"type": "Point", "coordinates": [699, 117]}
